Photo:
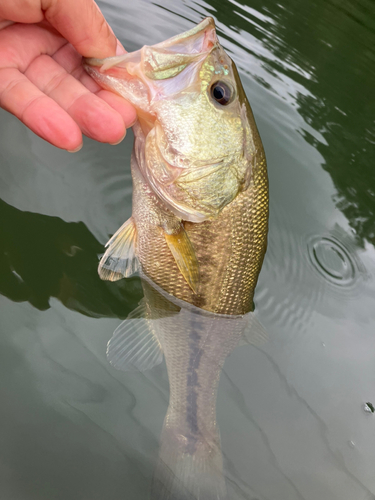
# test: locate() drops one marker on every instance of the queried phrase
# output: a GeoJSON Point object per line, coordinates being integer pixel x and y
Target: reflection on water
{"type": "Point", "coordinates": [291, 412]}
{"type": "Point", "coordinates": [44, 257]}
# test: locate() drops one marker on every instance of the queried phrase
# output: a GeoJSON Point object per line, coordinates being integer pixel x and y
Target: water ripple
{"type": "Point", "coordinates": [332, 260]}
{"type": "Point", "coordinates": [336, 258]}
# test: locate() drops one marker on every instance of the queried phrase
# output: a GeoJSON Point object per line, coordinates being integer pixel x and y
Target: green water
{"type": "Point", "coordinates": [291, 412]}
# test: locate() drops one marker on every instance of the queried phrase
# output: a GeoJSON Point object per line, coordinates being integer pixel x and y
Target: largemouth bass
{"type": "Point", "coordinates": [197, 235]}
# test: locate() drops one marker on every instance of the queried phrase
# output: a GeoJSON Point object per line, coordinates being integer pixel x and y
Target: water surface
{"type": "Point", "coordinates": [291, 412]}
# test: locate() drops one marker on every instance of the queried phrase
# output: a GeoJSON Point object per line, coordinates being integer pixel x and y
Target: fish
{"type": "Point", "coordinates": [197, 236]}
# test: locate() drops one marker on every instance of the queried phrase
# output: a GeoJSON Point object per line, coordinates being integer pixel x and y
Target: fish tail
{"type": "Point", "coordinates": [188, 469]}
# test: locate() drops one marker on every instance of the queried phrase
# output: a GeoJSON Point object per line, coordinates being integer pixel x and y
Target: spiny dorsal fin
{"type": "Point", "coordinates": [120, 260]}
{"type": "Point", "coordinates": [133, 346]}
{"type": "Point", "coordinates": [184, 255]}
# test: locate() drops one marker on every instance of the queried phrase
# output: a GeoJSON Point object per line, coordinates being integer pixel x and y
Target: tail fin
{"type": "Point", "coordinates": [188, 469]}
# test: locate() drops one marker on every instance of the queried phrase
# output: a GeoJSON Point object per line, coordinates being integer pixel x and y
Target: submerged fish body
{"type": "Point", "coordinates": [197, 235]}
{"type": "Point", "coordinates": [195, 344]}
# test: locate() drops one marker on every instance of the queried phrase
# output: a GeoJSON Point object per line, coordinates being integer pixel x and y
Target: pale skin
{"type": "Point", "coordinates": [42, 81]}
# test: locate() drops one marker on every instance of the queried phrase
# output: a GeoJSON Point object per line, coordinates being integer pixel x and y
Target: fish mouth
{"type": "Point", "coordinates": [165, 59]}
{"type": "Point", "coordinates": [194, 188]}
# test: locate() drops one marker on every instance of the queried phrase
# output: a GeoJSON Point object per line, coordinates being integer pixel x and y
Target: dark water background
{"type": "Point", "coordinates": [291, 413]}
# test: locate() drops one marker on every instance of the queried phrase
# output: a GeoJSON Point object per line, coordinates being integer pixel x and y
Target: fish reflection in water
{"type": "Point", "coordinates": [197, 235]}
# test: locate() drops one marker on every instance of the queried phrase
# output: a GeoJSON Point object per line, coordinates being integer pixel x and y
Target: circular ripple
{"type": "Point", "coordinates": [332, 260]}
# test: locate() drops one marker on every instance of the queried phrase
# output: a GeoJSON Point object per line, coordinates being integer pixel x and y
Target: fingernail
{"type": "Point", "coordinates": [118, 142]}
{"type": "Point", "coordinates": [120, 49]}
{"type": "Point", "coordinates": [75, 150]}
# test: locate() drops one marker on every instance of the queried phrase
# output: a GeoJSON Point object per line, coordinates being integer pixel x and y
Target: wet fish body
{"type": "Point", "coordinates": [197, 235]}
{"type": "Point", "coordinates": [200, 191]}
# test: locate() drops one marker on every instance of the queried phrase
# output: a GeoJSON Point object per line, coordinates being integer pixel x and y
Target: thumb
{"type": "Point", "coordinates": [83, 25]}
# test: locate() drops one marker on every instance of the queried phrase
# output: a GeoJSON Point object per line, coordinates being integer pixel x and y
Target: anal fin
{"type": "Point", "coordinates": [120, 260]}
{"type": "Point", "coordinates": [184, 255]}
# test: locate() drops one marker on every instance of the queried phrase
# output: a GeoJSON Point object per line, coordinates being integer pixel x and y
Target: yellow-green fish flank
{"type": "Point", "coordinates": [200, 190]}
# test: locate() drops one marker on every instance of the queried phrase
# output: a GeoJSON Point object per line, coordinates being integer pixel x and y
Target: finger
{"type": "Point", "coordinates": [20, 44]}
{"type": "Point", "coordinates": [4, 23]}
{"type": "Point", "coordinates": [71, 61]}
{"type": "Point", "coordinates": [118, 103]}
{"type": "Point", "coordinates": [83, 24]}
{"type": "Point", "coordinates": [37, 111]}
{"type": "Point", "coordinates": [21, 11]}
{"type": "Point", "coordinates": [95, 118]}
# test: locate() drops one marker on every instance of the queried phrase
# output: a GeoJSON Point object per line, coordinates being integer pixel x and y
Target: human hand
{"type": "Point", "coordinates": [42, 81]}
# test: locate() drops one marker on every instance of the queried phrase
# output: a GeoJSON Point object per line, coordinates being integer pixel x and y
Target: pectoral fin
{"type": "Point", "coordinates": [120, 260]}
{"type": "Point", "coordinates": [184, 255]}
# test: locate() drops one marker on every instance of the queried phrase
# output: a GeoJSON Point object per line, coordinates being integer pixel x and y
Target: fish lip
{"type": "Point", "coordinates": [92, 61]}
{"type": "Point", "coordinates": [109, 62]}
{"type": "Point", "coordinates": [207, 26]}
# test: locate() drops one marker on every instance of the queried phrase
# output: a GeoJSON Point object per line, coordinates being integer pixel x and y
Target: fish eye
{"type": "Point", "coordinates": [221, 93]}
